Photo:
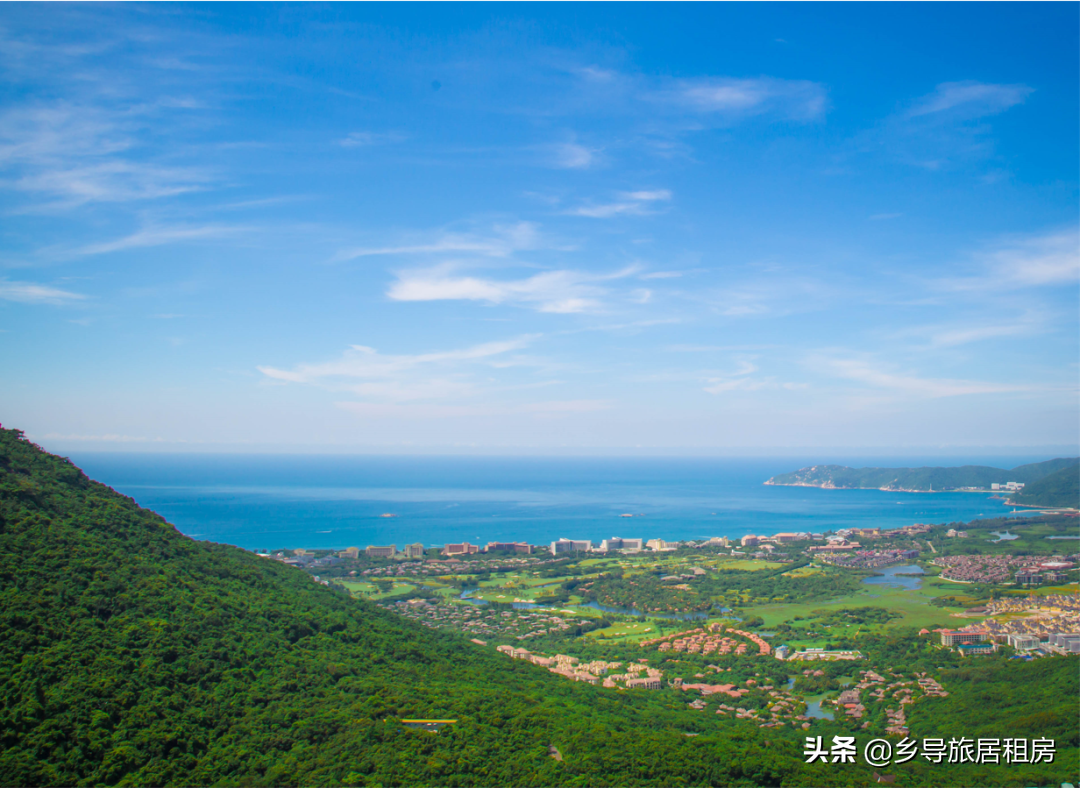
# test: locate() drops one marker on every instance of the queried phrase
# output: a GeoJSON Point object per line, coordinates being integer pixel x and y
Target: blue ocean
{"type": "Point", "coordinates": [267, 502]}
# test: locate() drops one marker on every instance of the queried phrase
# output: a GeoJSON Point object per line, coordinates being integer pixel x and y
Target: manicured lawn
{"type": "Point", "coordinates": [748, 565]}
{"type": "Point", "coordinates": [626, 631]}
{"type": "Point", "coordinates": [371, 591]}
{"type": "Point", "coordinates": [914, 605]}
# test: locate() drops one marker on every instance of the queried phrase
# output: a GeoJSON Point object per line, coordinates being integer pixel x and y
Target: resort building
{"type": "Point", "coordinates": [959, 637]}
{"type": "Point", "coordinates": [460, 549]}
{"type": "Point", "coordinates": [373, 551]}
{"type": "Point", "coordinates": [415, 550]}
{"type": "Point", "coordinates": [660, 545]}
{"type": "Point", "coordinates": [618, 543]}
{"type": "Point", "coordinates": [1024, 642]}
{"type": "Point", "coordinates": [510, 547]}
{"type": "Point", "coordinates": [570, 546]}
{"type": "Point", "coordinates": [784, 538]}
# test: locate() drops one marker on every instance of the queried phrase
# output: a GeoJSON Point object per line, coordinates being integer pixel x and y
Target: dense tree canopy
{"type": "Point", "coordinates": [132, 655]}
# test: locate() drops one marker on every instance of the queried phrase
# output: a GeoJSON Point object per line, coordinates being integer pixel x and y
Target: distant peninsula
{"type": "Point", "coordinates": [965, 477]}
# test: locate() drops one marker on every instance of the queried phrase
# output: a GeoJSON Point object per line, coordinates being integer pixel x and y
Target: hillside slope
{"type": "Point", "coordinates": [1060, 489]}
{"type": "Point", "coordinates": [920, 479]}
{"type": "Point", "coordinates": [134, 655]}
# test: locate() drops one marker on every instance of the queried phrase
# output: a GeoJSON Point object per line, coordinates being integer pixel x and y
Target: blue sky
{"type": "Point", "coordinates": [540, 228]}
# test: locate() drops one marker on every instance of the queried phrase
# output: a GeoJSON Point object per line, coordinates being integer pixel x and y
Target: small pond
{"type": "Point", "coordinates": [898, 577]}
{"type": "Point", "coordinates": [1003, 536]}
{"type": "Point", "coordinates": [629, 611]}
{"type": "Point", "coordinates": [813, 708]}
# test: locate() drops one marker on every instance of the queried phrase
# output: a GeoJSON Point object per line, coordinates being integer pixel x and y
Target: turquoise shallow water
{"type": "Point", "coordinates": [270, 502]}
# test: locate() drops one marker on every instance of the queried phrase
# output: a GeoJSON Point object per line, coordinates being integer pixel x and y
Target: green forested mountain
{"type": "Point", "coordinates": [1060, 489]}
{"type": "Point", "coordinates": [133, 655]}
{"type": "Point", "coordinates": [931, 478]}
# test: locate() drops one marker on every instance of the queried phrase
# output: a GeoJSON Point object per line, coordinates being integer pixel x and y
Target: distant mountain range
{"type": "Point", "coordinates": [922, 479]}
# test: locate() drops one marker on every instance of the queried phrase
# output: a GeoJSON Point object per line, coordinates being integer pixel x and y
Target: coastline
{"type": "Point", "coordinates": [771, 483]}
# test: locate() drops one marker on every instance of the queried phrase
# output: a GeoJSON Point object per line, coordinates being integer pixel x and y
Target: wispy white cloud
{"type": "Point", "coordinates": [971, 99]}
{"type": "Point", "coordinates": [871, 374]}
{"type": "Point", "coordinates": [503, 241]}
{"type": "Point", "coordinates": [160, 236]}
{"type": "Point", "coordinates": [628, 204]}
{"type": "Point", "coordinates": [573, 156]}
{"type": "Point", "coordinates": [1049, 259]}
{"type": "Point", "coordinates": [1041, 260]}
{"type": "Point", "coordinates": [31, 293]}
{"type": "Point", "coordinates": [72, 155]}
{"type": "Point", "coordinates": [797, 100]}
{"type": "Point", "coordinates": [743, 379]}
{"type": "Point", "coordinates": [561, 291]}
{"type": "Point", "coordinates": [396, 378]}
{"type": "Point", "coordinates": [359, 139]}
{"type": "Point", "coordinates": [956, 335]}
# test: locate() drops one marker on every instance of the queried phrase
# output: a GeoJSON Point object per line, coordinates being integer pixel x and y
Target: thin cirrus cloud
{"type": "Point", "coordinates": [1049, 259]}
{"type": "Point", "coordinates": [363, 139]}
{"type": "Point", "coordinates": [572, 156]}
{"type": "Point", "coordinates": [795, 100]}
{"type": "Point", "coordinates": [1040, 260]}
{"type": "Point", "coordinates": [954, 337]}
{"type": "Point", "coordinates": [75, 155]}
{"type": "Point", "coordinates": [31, 293]}
{"type": "Point", "coordinates": [367, 372]}
{"type": "Point", "coordinates": [636, 203]}
{"type": "Point", "coordinates": [742, 379]}
{"type": "Point", "coordinates": [561, 291]}
{"type": "Point", "coordinates": [503, 241]}
{"type": "Point", "coordinates": [863, 371]}
{"type": "Point", "coordinates": [161, 236]}
{"type": "Point", "coordinates": [971, 99]}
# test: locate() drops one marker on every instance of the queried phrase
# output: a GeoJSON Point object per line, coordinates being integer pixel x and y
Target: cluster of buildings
{"type": "Point", "coordinates": [730, 690]}
{"type": "Point", "coordinates": [560, 546]}
{"type": "Point", "coordinates": [709, 640]}
{"type": "Point", "coordinates": [1052, 571]}
{"type": "Point", "coordinates": [883, 690]}
{"type": "Point", "coordinates": [481, 620]}
{"type": "Point", "coordinates": [776, 539]}
{"type": "Point", "coordinates": [1050, 623]}
{"type": "Point", "coordinates": [417, 550]}
{"type": "Point", "coordinates": [979, 568]}
{"type": "Point", "coordinates": [866, 559]}
{"type": "Point", "coordinates": [821, 655]}
{"type": "Point", "coordinates": [1008, 486]}
{"type": "Point", "coordinates": [635, 675]}
{"type": "Point", "coordinates": [983, 638]}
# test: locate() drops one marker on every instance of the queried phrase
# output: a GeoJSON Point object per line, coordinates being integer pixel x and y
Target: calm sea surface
{"type": "Point", "coordinates": [271, 502]}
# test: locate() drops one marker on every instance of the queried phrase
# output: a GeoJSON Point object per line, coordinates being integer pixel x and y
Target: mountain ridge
{"type": "Point", "coordinates": [1060, 489]}
{"type": "Point", "coordinates": [135, 655]}
{"type": "Point", "coordinates": [924, 479]}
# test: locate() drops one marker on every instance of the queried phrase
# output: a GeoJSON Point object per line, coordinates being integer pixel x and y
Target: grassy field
{"type": "Point", "coordinates": [371, 591]}
{"type": "Point", "coordinates": [912, 604]}
{"type": "Point", "coordinates": [626, 632]}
